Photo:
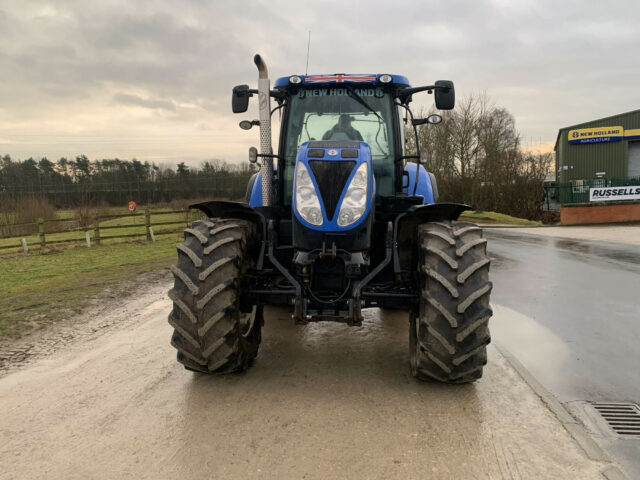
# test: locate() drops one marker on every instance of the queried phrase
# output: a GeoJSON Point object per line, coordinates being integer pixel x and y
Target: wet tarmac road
{"type": "Point", "coordinates": [322, 401]}
{"type": "Point", "coordinates": [569, 310]}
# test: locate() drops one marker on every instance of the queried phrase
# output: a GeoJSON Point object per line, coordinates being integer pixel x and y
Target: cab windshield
{"type": "Point", "coordinates": [334, 113]}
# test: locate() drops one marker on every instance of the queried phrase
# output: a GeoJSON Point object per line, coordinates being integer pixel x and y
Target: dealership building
{"type": "Point", "coordinates": [598, 170]}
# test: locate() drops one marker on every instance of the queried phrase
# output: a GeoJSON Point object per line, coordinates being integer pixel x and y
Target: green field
{"type": "Point", "coordinates": [42, 288]}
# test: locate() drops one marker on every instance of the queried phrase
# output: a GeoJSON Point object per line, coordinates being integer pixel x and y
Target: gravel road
{"type": "Point", "coordinates": [322, 401]}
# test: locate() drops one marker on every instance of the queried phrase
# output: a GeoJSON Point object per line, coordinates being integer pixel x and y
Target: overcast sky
{"type": "Point", "coordinates": [152, 79]}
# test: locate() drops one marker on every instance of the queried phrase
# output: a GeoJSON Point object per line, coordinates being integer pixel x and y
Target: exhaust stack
{"type": "Point", "coordinates": [264, 101]}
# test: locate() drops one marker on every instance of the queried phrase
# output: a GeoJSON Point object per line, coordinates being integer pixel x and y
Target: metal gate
{"type": "Point", "coordinates": [634, 159]}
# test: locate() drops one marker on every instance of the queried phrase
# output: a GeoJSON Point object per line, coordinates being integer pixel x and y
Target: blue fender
{"type": "Point", "coordinates": [255, 200]}
{"type": "Point", "coordinates": [426, 187]}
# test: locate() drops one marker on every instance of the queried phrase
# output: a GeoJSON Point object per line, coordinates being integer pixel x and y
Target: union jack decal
{"type": "Point", "coordinates": [340, 78]}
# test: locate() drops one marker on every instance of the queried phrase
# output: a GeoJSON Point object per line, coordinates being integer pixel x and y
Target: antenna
{"type": "Point", "coordinates": [308, 48]}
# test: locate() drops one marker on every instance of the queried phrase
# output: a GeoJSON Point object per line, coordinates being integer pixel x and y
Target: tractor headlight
{"type": "Point", "coordinates": [307, 202]}
{"type": "Point", "coordinates": [354, 203]}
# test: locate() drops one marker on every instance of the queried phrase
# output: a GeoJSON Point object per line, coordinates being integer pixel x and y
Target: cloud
{"type": "Point", "coordinates": [550, 63]}
{"type": "Point", "coordinates": [130, 99]}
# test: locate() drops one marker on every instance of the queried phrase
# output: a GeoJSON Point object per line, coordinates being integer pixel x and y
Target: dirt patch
{"type": "Point", "coordinates": [91, 322]}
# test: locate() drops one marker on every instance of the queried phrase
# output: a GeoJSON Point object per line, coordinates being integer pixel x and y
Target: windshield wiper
{"type": "Point", "coordinates": [361, 101]}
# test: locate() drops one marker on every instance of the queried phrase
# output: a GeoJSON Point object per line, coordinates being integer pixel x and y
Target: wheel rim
{"type": "Point", "coordinates": [247, 320]}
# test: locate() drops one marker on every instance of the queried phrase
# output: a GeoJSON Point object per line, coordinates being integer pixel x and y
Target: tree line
{"type": "Point", "coordinates": [68, 183]}
{"type": "Point", "coordinates": [477, 158]}
{"type": "Point", "coordinates": [475, 153]}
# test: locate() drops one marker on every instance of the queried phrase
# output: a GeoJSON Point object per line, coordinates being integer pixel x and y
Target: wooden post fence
{"type": "Point", "coordinates": [96, 229]}
{"type": "Point", "coordinates": [43, 241]}
{"type": "Point", "coordinates": [147, 223]}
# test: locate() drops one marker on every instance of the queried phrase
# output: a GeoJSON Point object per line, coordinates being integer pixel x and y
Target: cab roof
{"type": "Point", "coordinates": [336, 78]}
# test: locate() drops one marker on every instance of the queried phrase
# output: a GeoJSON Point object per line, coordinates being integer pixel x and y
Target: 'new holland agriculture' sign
{"type": "Point", "coordinates": [608, 194]}
{"type": "Point", "coordinates": [595, 135]}
{"type": "Point", "coordinates": [602, 134]}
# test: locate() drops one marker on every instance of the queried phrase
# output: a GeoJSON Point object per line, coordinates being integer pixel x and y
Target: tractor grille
{"type": "Point", "coordinates": [331, 177]}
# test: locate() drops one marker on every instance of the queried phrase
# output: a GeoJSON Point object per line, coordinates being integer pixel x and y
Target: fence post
{"type": "Point", "coordinates": [96, 229]}
{"type": "Point", "coordinates": [25, 248]}
{"type": "Point", "coordinates": [43, 241]}
{"type": "Point", "coordinates": [187, 215]}
{"type": "Point", "coordinates": [147, 223]}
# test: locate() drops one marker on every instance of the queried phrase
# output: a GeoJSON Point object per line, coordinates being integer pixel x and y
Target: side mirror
{"type": "Point", "coordinates": [240, 99]}
{"type": "Point", "coordinates": [253, 154]}
{"type": "Point", "coordinates": [445, 95]}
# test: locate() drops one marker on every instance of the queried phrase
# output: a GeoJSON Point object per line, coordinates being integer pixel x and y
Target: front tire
{"type": "Point", "coordinates": [212, 332]}
{"type": "Point", "coordinates": [449, 332]}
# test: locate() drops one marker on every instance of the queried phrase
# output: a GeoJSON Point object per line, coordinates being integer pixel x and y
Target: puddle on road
{"type": "Point", "coordinates": [620, 253]}
{"type": "Point", "coordinates": [537, 347]}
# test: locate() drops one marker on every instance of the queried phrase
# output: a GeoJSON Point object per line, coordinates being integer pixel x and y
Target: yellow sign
{"type": "Point", "coordinates": [596, 135]}
{"type": "Point", "coordinates": [633, 134]}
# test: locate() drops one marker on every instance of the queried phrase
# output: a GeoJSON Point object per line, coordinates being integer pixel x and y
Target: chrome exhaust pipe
{"type": "Point", "coordinates": [264, 101]}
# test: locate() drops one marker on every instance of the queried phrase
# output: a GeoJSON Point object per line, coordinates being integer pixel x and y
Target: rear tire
{"type": "Point", "coordinates": [449, 332]}
{"type": "Point", "coordinates": [212, 333]}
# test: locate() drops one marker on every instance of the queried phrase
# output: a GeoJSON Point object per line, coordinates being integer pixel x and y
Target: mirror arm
{"type": "Point", "coordinates": [405, 94]}
{"type": "Point", "coordinates": [278, 95]}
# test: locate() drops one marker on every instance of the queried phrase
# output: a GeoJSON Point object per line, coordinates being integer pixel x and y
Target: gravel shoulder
{"type": "Point", "coordinates": [322, 401]}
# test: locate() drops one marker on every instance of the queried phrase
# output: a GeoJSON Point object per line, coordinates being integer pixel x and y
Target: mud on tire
{"type": "Point", "coordinates": [449, 332]}
{"type": "Point", "coordinates": [213, 333]}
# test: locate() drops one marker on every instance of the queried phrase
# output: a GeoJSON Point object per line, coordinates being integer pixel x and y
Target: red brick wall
{"type": "Point", "coordinates": [627, 212]}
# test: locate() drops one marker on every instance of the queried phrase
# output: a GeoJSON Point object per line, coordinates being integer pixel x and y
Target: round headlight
{"type": "Point", "coordinates": [303, 177]}
{"type": "Point", "coordinates": [305, 194]}
{"type": "Point", "coordinates": [385, 78]}
{"type": "Point", "coordinates": [295, 79]}
{"type": "Point", "coordinates": [356, 195]}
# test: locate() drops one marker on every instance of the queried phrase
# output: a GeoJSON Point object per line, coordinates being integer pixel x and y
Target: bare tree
{"type": "Point", "coordinates": [476, 155]}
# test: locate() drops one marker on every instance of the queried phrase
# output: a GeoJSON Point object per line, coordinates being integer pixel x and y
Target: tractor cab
{"type": "Point", "coordinates": [349, 108]}
{"type": "Point", "coordinates": [330, 108]}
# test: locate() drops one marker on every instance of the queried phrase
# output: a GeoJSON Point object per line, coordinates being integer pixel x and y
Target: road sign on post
{"type": "Point", "coordinates": [132, 209]}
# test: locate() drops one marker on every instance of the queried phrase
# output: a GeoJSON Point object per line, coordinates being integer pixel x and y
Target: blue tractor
{"type": "Point", "coordinates": [338, 220]}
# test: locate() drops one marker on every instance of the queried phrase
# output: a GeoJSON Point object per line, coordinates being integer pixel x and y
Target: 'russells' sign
{"type": "Point", "coordinates": [596, 135]}
{"type": "Point", "coordinates": [604, 194]}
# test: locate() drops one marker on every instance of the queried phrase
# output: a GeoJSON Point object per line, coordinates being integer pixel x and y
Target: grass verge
{"type": "Point", "coordinates": [493, 218]}
{"type": "Point", "coordinates": [45, 287]}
